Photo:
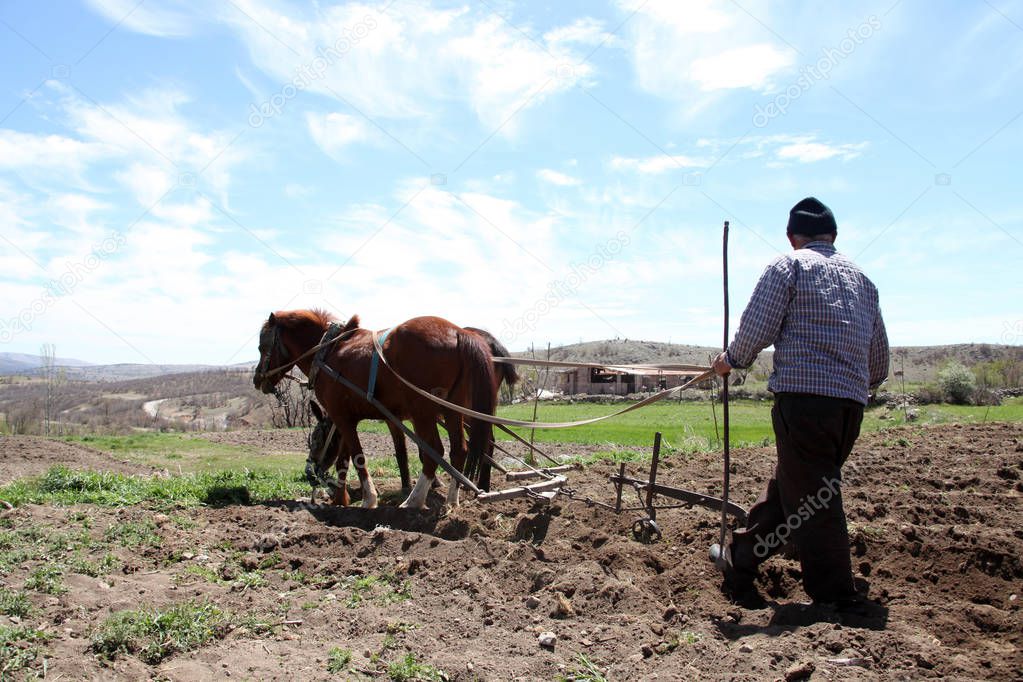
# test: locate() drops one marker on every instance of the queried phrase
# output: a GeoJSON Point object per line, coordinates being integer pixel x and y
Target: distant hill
{"type": "Point", "coordinates": [79, 370]}
{"type": "Point", "coordinates": [22, 363]}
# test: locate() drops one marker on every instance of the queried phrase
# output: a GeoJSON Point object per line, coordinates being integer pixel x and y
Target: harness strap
{"type": "Point", "coordinates": [422, 444]}
{"type": "Point", "coordinates": [374, 365]}
{"type": "Point", "coordinates": [332, 334]}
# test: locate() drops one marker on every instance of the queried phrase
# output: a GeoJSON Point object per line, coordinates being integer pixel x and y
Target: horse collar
{"type": "Point", "coordinates": [333, 332]}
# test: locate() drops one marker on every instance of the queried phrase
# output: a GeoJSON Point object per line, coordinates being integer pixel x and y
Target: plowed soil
{"type": "Point", "coordinates": [935, 515]}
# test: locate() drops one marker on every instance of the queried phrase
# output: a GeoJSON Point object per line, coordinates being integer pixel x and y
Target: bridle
{"type": "Point", "coordinates": [263, 372]}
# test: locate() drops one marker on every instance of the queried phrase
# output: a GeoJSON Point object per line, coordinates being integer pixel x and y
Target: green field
{"type": "Point", "coordinates": [690, 425]}
{"type": "Point", "coordinates": [686, 427]}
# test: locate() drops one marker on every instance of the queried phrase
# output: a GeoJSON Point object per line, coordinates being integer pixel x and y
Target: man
{"type": "Point", "coordinates": [821, 314]}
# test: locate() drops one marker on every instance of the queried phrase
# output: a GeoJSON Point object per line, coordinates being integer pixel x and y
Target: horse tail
{"type": "Point", "coordinates": [504, 371]}
{"type": "Point", "coordinates": [478, 367]}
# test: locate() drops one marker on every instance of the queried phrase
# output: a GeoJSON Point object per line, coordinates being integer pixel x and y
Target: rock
{"type": "Point", "coordinates": [547, 640]}
{"type": "Point", "coordinates": [923, 661]}
{"type": "Point", "coordinates": [745, 649]}
{"type": "Point", "coordinates": [1013, 597]}
{"type": "Point", "coordinates": [187, 556]}
{"type": "Point", "coordinates": [646, 650]}
{"type": "Point", "coordinates": [250, 562]}
{"type": "Point", "coordinates": [532, 602]}
{"type": "Point", "coordinates": [160, 519]}
{"type": "Point", "coordinates": [266, 543]}
{"type": "Point", "coordinates": [799, 671]}
{"type": "Point", "coordinates": [670, 612]}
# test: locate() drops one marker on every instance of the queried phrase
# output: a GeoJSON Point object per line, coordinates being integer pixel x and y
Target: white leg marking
{"type": "Point", "coordinates": [417, 498]}
{"type": "Point", "coordinates": [369, 494]}
{"type": "Point", "coordinates": [452, 500]}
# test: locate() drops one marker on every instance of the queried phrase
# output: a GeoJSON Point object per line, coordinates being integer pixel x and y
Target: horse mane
{"type": "Point", "coordinates": [318, 316]}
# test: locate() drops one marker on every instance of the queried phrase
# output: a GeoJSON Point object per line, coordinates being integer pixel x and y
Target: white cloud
{"type": "Point", "coordinates": [655, 165]}
{"type": "Point", "coordinates": [556, 178]}
{"type": "Point", "coordinates": [408, 62]}
{"type": "Point", "coordinates": [677, 49]}
{"type": "Point", "coordinates": [808, 152]}
{"type": "Point", "coordinates": [750, 66]}
{"type": "Point", "coordinates": [167, 19]}
{"type": "Point", "coordinates": [335, 131]}
{"type": "Point", "coordinates": [585, 31]}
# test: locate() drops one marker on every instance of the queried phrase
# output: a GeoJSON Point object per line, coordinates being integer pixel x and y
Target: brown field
{"type": "Point", "coordinates": [935, 515]}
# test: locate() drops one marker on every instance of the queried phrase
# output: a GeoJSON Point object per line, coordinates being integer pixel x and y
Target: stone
{"type": "Point", "coordinates": [799, 671]}
{"type": "Point", "coordinates": [745, 649]}
{"type": "Point", "coordinates": [547, 640]}
{"type": "Point", "coordinates": [532, 602]}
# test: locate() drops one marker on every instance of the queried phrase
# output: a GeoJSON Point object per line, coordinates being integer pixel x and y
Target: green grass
{"type": "Point", "coordinates": [190, 453]}
{"type": "Point", "coordinates": [689, 426]}
{"type": "Point", "coordinates": [60, 485]}
{"type": "Point", "coordinates": [338, 660]}
{"type": "Point", "coordinates": [585, 671]}
{"type": "Point", "coordinates": [408, 668]}
{"type": "Point", "coordinates": [156, 634]}
{"type": "Point", "coordinates": [14, 603]}
{"type": "Point", "coordinates": [48, 579]}
{"type": "Point", "coordinates": [134, 534]}
{"type": "Point", "coordinates": [20, 650]}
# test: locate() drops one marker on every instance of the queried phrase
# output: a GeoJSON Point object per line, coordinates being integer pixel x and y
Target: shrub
{"type": "Point", "coordinates": [957, 382]}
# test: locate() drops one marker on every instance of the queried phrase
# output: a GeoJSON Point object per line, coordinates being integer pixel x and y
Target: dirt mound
{"type": "Point", "coordinates": [22, 456]}
{"type": "Point", "coordinates": [935, 515]}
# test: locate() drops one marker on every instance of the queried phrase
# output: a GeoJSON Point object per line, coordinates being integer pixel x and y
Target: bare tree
{"type": "Point", "coordinates": [52, 379]}
{"type": "Point", "coordinates": [290, 406]}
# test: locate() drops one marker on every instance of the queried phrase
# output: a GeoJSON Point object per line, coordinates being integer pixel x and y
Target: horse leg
{"type": "Point", "coordinates": [369, 492]}
{"type": "Point", "coordinates": [400, 454]}
{"type": "Point", "coordinates": [426, 429]}
{"type": "Point", "coordinates": [340, 495]}
{"type": "Point", "coordinates": [453, 424]}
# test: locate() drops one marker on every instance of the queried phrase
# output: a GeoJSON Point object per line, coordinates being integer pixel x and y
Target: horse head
{"type": "Point", "coordinates": [324, 448]}
{"type": "Point", "coordinates": [272, 357]}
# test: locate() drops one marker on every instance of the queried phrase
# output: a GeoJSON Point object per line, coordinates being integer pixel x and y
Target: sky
{"type": "Point", "coordinates": [171, 172]}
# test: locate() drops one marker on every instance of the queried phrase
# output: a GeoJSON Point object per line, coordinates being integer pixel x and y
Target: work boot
{"type": "Point", "coordinates": [738, 581]}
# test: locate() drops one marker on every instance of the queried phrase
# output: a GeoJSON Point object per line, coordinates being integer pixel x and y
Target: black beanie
{"type": "Point", "coordinates": [810, 217]}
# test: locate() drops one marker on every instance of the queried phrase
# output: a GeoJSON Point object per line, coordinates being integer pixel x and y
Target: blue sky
{"type": "Point", "coordinates": [170, 172]}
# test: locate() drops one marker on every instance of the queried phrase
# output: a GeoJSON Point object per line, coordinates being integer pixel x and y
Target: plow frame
{"type": "Point", "coordinates": [645, 529]}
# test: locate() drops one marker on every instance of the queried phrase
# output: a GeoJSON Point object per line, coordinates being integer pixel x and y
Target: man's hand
{"type": "Point", "coordinates": [721, 366]}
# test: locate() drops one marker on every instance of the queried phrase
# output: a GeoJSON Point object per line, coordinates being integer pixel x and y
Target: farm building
{"type": "Point", "coordinates": [611, 381]}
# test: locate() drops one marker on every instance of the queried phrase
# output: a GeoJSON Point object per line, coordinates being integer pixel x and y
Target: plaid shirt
{"type": "Point", "coordinates": [822, 315]}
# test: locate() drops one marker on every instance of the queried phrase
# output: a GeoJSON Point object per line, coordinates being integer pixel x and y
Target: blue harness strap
{"type": "Point", "coordinates": [374, 365]}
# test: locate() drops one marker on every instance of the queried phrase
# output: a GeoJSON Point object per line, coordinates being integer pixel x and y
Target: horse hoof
{"type": "Point", "coordinates": [368, 504]}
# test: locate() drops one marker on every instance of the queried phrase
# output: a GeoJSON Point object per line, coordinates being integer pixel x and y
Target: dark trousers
{"type": "Point", "coordinates": [803, 502]}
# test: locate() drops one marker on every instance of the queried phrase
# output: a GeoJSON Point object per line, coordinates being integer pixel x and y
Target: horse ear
{"type": "Point", "coordinates": [316, 410]}
{"type": "Point", "coordinates": [273, 319]}
{"type": "Point", "coordinates": [352, 323]}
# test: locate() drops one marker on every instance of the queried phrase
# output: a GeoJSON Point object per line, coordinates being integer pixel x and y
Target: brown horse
{"type": "Point", "coordinates": [323, 453]}
{"type": "Point", "coordinates": [429, 352]}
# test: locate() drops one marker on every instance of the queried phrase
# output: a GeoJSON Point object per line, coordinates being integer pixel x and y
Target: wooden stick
{"type": "Point", "coordinates": [523, 475]}
{"type": "Point", "coordinates": [724, 398]}
{"type": "Point", "coordinates": [512, 493]}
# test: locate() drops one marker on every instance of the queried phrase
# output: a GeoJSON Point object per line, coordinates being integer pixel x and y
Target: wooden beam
{"type": "Point", "coordinates": [512, 493]}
